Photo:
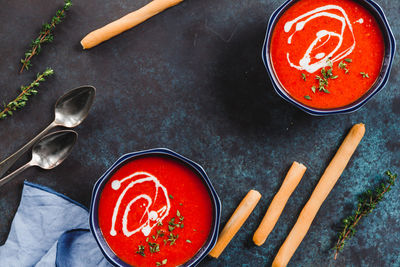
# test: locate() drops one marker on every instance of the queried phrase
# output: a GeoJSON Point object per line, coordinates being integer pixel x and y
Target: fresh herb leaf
{"type": "Point", "coordinates": [141, 251]}
{"type": "Point", "coordinates": [364, 75]}
{"type": "Point", "coordinates": [348, 60]}
{"type": "Point", "coordinates": [307, 97]}
{"type": "Point", "coordinates": [172, 224]}
{"type": "Point", "coordinates": [172, 238]}
{"type": "Point", "coordinates": [188, 241]}
{"type": "Point", "coordinates": [154, 247]}
{"type": "Point", "coordinates": [27, 91]}
{"type": "Point", "coordinates": [45, 36]}
{"type": "Point", "coordinates": [313, 89]}
{"type": "Point", "coordinates": [170, 196]}
{"type": "Point", "coordinates": [159, 234]}
{"type": "Point", "coordinates": [343, 66]}
{"type": "Point", "coordinates": [303, 76]}
{"type": "Point", "coordinates": [323, 80]}
{"type": "Point", "coordinates": [366, 204]}
{"type": "Point", "coordinates": [163, 262]}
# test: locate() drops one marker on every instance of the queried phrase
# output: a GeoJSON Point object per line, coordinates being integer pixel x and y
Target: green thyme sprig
{"type": "Point", "coordinates": [154, 247]}
{"type": "Point", "coordinates": [45, 36]}
{"type": "Point", "coordinates": [343, 65]}
{"type": "Point", "coordinates": [20, 101]}
{"type": "Point", "coordinates": [366, 204]}
{"type": "Point", "coordinates": [163, 262]}
{"type": "Point", "coordinates": [140, 251]}
{"type": "Point", "coordinates": [172, 238]}
{"type": "Point", "coordinates": [323, 80]}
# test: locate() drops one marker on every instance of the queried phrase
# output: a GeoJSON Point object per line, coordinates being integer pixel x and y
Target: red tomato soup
{"type": "Point", "coordinates": [155, 211]}
{"type": "Point", "coordinates": [327, 53]}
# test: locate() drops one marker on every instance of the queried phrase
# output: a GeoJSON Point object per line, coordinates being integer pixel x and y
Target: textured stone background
{"type": "Point", "coordinates": [191, 79]}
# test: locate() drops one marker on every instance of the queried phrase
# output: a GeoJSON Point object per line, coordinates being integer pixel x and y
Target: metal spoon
{"type": "Point", "coordinates": [48, 153]}
{"type": "Point", "coordinates": [70, 110]}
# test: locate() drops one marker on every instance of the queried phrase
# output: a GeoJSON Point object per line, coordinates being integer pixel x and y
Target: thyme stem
{"type": "Point", "coordinates": [45, 36]}
{"type": "Point", "coordinates": [367, 203]}
{"type": "Point", "coordinates": [20, 101]}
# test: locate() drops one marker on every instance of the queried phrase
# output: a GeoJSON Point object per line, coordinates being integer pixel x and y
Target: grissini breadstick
{"type": "Point", "coordinates": [277, 205]}
{"type": "Point", "coordinates": [127, 22]}
{"type": "Point", "coordinates": [236, 221]}
{"type": "Point", "coordinates": [321, 191]}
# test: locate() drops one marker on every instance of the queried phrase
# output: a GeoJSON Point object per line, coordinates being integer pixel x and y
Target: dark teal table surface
{"type": "Point", "coordinates": [191, 79]}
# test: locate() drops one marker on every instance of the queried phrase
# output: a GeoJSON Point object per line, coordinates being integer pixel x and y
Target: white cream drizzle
{"type": "Point", "coordinates": [336, 54]}
{"type": "Point", "coordinates": [361, 21]}
{"type": "Point", "coordinates": [153, 216]}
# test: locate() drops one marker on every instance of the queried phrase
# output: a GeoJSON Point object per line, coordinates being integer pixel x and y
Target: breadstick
{"type": "Point", "coordinates": [236, 221]}
{"type": "Point", "coordinates": [125, 23]}
{"type": "Point", "coordinates": [321, 191]}
{"type": "Point", "coordinates": [277, 205]}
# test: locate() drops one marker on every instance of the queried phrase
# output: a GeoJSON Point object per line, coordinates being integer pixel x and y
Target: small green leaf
{"type": "Point", "coordinates": [364, 74]}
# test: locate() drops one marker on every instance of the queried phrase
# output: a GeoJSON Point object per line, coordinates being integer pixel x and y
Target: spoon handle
{"type": "Point", "coordinates": [15, 173]}
{"type": "Point", "coordinates": [6, 164]}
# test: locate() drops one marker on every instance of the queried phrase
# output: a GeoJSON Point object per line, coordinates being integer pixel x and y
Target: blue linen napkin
{"type": "Point", "coordinates": [50, 229]}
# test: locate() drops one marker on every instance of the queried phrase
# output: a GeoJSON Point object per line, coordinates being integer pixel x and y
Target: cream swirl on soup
{"type": "Point", "coordinates": [315, 58]}
{"type": "Point", "coordinates": [153, 206]}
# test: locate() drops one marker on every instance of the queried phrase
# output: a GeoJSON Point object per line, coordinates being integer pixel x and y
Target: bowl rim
{"type": "Point", "coordinates": [357, 104]}
{"type": "Point", "coordinates": [96, 193]}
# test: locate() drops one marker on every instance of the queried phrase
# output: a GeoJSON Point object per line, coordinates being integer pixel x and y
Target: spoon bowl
{"type": "Point", "coordinates": [73, 107]}
{"type": "Point", "coordinates": [48, 153]}
{"type": "Point", "coordinates": [53, 149]}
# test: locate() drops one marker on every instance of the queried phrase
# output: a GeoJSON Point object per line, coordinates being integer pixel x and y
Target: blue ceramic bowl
{"type": "Point", "coordinates": [390, 48]}
{"type": "Point", "coordinates": [98, 188]}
